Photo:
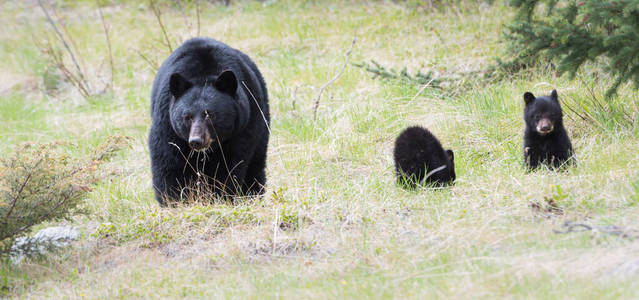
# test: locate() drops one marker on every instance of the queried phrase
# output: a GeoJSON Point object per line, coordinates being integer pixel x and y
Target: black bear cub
{"type": "Point", "coordinates": [210, 116]}
{"type": "Point", "coordinates": [545, 138]}
{"type": "Point", "coordinates": [420, 158]}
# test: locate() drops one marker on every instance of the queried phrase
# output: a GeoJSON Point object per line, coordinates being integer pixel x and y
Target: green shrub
{"type": "Point", "coordinates": [40, 183]}
{"type": "Point", "coordinates": [569, 33]}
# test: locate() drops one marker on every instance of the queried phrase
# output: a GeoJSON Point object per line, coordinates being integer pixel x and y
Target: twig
{"type": "Point", "coordinates": [64, 30]}
{"type": "Point", "coordinates": [15, 199]}
{"type": "Point", "coordinates": [183, 13]}
{"type": "Point", "coordinates": [108, 40]}
{"type": "Point", "coordinates": [197, 12]}
{"type": "Point", "coordinates": [323, 87]}
{"type": "Point", "coordinates": [65, 44]}
{"type": "Point", "coordinates": [151, 63]}
{"type": "Point", "coordinates": [46, 215]}
{"type": "Point", "coordinates": [58, 62]}
{"type": "Point", "coordinates": [158, 16]}
{"type": "Point", "coordinates": [611, 229]}
{"type": "Point", "coordinates": [295, 93]}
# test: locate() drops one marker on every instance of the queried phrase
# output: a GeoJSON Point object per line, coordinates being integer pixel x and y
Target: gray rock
{"type": "Point", "coordinates": [626, 270]}
{"type": "Point", "coordinates": [44, 241]}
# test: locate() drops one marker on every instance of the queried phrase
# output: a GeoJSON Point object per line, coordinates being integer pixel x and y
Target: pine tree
{"type": "Point", "coordinates": [572, 32]}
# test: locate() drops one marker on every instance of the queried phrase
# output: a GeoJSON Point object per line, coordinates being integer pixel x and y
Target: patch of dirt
{"type": "Point", "coordinates": [10, 81]}
{"type": "Point", "coordinates": [260, 243]}
{"type": "Point", "coordinates": [547, 208]}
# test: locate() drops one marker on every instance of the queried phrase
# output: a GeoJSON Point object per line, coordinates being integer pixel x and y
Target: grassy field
{"type": "Point", "coordinates": [333, 223]}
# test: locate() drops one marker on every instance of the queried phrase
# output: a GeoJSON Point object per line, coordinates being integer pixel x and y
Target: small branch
{"type": "Point", "coordinates": [183, 13]}
{"type": "Point", "coordinates": [323, 87]}
{"type": "Point", "coordinates": [15, 199]}
{"type": "Point", "coordinates": [43, 217]}
{"type": "Point", "coordinates": [64, 30]}
{"type": "Point", "coordinates": [108, 40]}
{"type": "Point", "coordinates": [197, 12]}
{"type": "Point", "coordinates": [612, 230]}
{"type": "Point", "coordinates": [151, 63]}
{"type": "Point", "coordinates": [64, 43]}
{"type": "Point", "coordinates": [58, 62]}
{"type": "Point", "coordinates": [295, 93]}
{"type": "Point", "coordinates": [158, 16]}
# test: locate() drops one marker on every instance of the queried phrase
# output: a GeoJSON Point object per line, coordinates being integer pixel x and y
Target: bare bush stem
{"type": "Point", "coordinates": [108, 40]}
{"type": "Point", "coordinates": [64, 43]}
{"type": "Point", "coordinates": [151, 63]}
{"type": "Point", "coordinates": [15, 199]}
{"type": "Point", "coordinates": [347, 56]}
{"type": "Point", "coordinates": [183, 13]}
{"type": "Point", "coordinates": [197, 12]}
{"type": "Point", "coordinates": [158, 16]}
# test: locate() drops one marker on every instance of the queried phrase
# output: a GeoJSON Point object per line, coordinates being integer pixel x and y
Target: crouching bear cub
{"type": "Point", "coordinates": [210, 117]}
{"type": "Point", "coordinates": [545, 138]}
{"type": "Point", "coordinates": [420, 158]}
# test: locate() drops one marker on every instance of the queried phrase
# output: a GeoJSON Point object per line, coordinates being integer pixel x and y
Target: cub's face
{"type": "Point", "coordinates": [203, 115]}
{"type": "Point", "coordinates": [542, 114]}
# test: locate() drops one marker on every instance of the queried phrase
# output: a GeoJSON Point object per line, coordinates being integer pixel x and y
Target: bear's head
{"type": "Point", "coordinates": [451, 166]}
{"type": "Point", "coordinates": [204, 114]}
{"type": "Point", "coordinates": [542, 114]}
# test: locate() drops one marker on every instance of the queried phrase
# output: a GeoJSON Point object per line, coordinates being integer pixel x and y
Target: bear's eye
{"type": "Point", "coordinates": [207, 115]}
{"type": "Point", "coordinates": [188, 118]}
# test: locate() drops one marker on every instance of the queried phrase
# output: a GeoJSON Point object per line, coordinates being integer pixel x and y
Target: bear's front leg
{"type": "Point", "coordinates": [168, 182]}
{"type": "Point", "coordinates": [240, 152]}
{"type": "Point", "coordinates": [531, 158]}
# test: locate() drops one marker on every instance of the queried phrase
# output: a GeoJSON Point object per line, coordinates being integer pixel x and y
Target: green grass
{"type": "Point", "coordinates": [334, 223]}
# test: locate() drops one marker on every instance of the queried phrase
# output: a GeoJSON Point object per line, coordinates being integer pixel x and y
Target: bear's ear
{"type": "Point", "coordinates": [553, 96]}
{"type": "Point", "coordinates": [178, 85]}
{"type": "Point", "coordinates": [227, 82]}
{"type": "Point", "coordinates": [450, 154]}
{"type": "Point", "coordinates": [529, 97]}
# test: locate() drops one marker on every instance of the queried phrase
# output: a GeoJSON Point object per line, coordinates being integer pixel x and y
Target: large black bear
{"type": "Point", "coordinates": [545, 138]}
{"type": "Point", "coordinates": [419, 156]}
{"type": "Point", "coordinates": [210, 118]}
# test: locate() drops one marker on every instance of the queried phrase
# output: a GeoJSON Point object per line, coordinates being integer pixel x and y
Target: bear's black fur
{"type": "Point", "coordinates": [418, 153]}
{"type": "Point", "coordinates": [545, 138]}
{"type": "Point", "coordinates": [210, 116]}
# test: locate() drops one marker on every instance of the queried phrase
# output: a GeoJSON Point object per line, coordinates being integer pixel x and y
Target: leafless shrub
{"type": "Point", "coordinates": [108, 40]}
{"type": "Point", "coordinates": [72, 71]}
{"type": "Point", "coordinates": [158, 16]}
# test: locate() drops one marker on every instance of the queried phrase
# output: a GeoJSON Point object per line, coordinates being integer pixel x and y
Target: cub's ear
{"type": "Point", "coordinates": [227, 82]}
{"type": "Point", "coordinates": [529, 97]}
{"type": "Point", "coordinates": [178, 85]}
{"type": "Point", "coordinates": [553, 95]}
{"type": "Point", "coordinates": [450, 154]}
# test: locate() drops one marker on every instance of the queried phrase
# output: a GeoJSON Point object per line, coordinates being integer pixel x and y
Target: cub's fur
{"type": "Point", "coordinates": [545, 138]}
{"type": "Point", "coordinates": [420, 158]}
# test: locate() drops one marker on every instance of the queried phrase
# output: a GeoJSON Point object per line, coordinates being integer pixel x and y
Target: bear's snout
{"type": "Point", "coordinates": [199, 137]}
{"type": "Point", "coordinates": [544, 126]}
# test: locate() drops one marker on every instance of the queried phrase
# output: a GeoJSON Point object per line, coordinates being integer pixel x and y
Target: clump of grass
{"type": "Point", "coordinates": [593, 109]}
{"type": "Point", "coordinates": [40, 183]}
{"type": "Point", "coordinates": [156, 227]}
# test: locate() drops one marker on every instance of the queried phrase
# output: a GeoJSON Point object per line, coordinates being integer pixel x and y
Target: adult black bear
{"type": "Point", "coordinates": [545, 138]}
{"type": "Point", "coordinates": [419, 156]}
{"type": "Point", "coordinates": [210, 118]}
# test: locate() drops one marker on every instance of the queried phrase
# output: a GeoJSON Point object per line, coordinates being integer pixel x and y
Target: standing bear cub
{"type": "Point", "coordinates": [210, 118]}
{"type": "Point", "coordinates": [420, 157]}
{"type": "Point", "coordinates": [545, 138]}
